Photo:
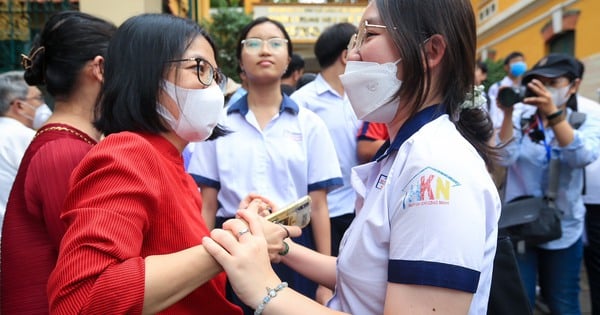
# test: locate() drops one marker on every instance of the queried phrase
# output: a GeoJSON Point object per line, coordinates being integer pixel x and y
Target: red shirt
{"type": "Point", "coordinates": [130, 198]}
{"type": "Point", "coordinates": [32, 227]}
{"type": "Point", "coordinates": [372, 131]}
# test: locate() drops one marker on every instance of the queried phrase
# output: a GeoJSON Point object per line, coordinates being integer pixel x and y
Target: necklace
{"type": "Point", "coordinates": [67, 129]}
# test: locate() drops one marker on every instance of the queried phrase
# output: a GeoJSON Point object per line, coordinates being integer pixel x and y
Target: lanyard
{"type": "Point", "coordinates": [546, 145]}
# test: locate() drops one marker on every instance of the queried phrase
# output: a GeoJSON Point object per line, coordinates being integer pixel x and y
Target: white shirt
{"type": "Point", "coordinates": [337, 113]}
{"type": "Point", "coordinates": [291, 157]}
{"type": "Point", "coordinates": [14, 140]}
{"type": "Point", "coordinates": [592, 171]}
{"type": "Point", "coordinates": [427, 214]}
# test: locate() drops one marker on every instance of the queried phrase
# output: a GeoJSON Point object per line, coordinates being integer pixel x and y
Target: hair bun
{"type": "Point", "coordinates": [34, 66]}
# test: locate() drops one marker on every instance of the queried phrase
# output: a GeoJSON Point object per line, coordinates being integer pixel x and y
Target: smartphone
{"type": "Point", "coordinates": [296, 213]}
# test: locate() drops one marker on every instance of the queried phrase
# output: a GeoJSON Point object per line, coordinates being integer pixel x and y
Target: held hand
{"type": "Point", "coordinates": [243, 255]}
{"type": "Point", "coordinates": [275, 234]}
{"type": "Point", "coordinates": [265, 205]}
{"type": "Point", "coordinates": [542, 100]}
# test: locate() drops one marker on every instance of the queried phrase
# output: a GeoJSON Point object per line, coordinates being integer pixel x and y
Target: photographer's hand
{"type": "Point", "coordinates": [552, 116]}
{"type": "Point", "coordinates": [542, 100]}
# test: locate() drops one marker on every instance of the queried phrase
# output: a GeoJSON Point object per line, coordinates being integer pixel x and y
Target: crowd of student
{"type": "Point", "coordinates": [145, 191]}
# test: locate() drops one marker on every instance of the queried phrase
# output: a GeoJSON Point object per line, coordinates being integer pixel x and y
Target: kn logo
{"type": "Point", "coordinates": [429, 186]}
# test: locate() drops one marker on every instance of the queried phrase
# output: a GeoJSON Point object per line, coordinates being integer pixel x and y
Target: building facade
{"type": "Point", "coordinates": [539, 27]}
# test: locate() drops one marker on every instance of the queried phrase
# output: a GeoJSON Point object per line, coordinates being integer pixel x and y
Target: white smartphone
{"type": "Point", "coordinates": [296, 213]}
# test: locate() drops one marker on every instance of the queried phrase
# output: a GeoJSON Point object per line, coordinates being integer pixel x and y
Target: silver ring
{"type": "Point", "coordinates": [243, 231]}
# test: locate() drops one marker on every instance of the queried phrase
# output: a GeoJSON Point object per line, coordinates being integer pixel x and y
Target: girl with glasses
{"type": "Point", "coordinates": [133, 216]}
{"type": "Point", "coordinates": [425, 232]}
{"type": "Point", "coordinates": [276, 148]}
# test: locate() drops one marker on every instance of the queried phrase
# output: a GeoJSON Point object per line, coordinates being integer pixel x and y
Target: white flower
{"type": "Point", "coordinates": [475, 99]}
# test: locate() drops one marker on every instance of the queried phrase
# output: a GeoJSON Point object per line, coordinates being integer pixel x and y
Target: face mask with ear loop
{"type": "Point", "coordinates": [42, 113]}
{"type": "Point", "coordinates": [560, 96]}
{"type": "Point", "coordinates": [371, 88]}
{"type": "Point", "coordinates": [200, 111]}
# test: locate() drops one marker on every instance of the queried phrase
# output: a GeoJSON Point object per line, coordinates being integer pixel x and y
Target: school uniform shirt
{"type": "Point", "coordinates": [592, 171]}
{"type": "Point", "coordinates": [337, 113]}
{"type": "Point", "coordinates": [291, 157]}
{"type": "Point", "coordinates": [427, 214]}
{"type": "Point", "coordinates": [528, 161]}
{"type": "Point", "coordinates": [14, 139]}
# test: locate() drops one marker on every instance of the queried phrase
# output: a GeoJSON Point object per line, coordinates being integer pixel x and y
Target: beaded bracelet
{"type": "Point", "coordinates": [271, 293]}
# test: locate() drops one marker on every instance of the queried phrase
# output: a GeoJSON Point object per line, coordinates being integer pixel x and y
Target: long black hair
{"type": "Point", "coordinates": [413, 22]}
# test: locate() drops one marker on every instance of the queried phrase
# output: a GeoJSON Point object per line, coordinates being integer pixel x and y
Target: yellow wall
{"type": "Point", "coordinates": [521, 31]}
{"type": "Point", "coordinates": [118, 11]}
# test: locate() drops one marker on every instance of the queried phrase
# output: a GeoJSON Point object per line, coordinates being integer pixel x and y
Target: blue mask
{"type": "Point", "coordinates": [518, 68]}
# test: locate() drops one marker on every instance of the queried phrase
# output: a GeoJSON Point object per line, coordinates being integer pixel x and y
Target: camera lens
{"type": "Point", "coordinates": [508, 97]}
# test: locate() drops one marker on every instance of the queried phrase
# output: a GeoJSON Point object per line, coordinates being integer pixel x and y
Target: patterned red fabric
{"type": "Point", "coordinates": [372, 131]}
{"type": "Point", "coordinates": [32, 228]}
{"type": "Point", "coordinates": [130, 198]}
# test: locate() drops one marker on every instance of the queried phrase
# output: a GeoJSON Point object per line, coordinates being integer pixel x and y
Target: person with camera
{"type": "Point", "coordinates": [540, 126]}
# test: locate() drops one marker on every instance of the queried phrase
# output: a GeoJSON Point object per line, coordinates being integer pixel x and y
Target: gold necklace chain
{"type": "Point", "coordinates": [70, 130]}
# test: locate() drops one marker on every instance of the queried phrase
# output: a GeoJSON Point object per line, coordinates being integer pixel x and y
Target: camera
{"type": "Point", "coordinates": [509, 96]}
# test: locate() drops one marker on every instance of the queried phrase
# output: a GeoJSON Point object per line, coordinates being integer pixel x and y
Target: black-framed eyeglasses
{"type": "Point", "coordinates": [255, 43]}
{"type": "Point", "coordinates": [358, 39]}
{"type": "Point", "coordinates": [205, 72]}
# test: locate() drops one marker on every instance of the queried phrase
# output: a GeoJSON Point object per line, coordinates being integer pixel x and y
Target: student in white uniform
{"type": "Point", "coordinates": [424, 237]}
{"type": "Point", "coordinates": [325, 96]}
{"type": "Point", "coordinates": [276, 148]}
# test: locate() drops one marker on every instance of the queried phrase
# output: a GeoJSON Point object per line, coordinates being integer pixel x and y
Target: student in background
{"type": "Point", "coordinates": [325, 96]}
{"type": "Point", "coordinates": [276, 148]}
{"type": "Point", "coordinates": [292, 74]}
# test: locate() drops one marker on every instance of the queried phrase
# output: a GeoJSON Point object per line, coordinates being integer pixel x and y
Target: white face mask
{"type": "Point", "coordinates": [200, 111]}
{"type": "Point", "coordinates": [560, 96]}
{"type": "Point", "coordinates": [42, 113]}
{"type": "Point", "coordinates": [371, 87]}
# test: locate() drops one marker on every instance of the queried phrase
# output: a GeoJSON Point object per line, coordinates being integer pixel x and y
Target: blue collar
{"type": "Point", "coordinates": [409, 128]}
{"type": "Point", "coordinates": [241, 106]}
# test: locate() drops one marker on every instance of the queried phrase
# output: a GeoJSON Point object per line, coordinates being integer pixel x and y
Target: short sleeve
{"type": "Point", "coordinates": [203, 165]}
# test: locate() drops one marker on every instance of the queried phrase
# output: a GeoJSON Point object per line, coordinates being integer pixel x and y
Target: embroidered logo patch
{"type": "Point", "coordinates": [381, 181]}
{"type": "Point", "coordinates": [430, 186]}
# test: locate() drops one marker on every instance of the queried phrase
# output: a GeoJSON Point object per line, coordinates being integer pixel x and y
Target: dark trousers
{"type": "Point", "coordinates": [339, 225]}
{"type": "Point", "coordinates": [591, 254]}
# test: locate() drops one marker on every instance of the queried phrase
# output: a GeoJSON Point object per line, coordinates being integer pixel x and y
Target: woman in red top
{"type": "Point", "coordinates": [133, 215]}
{"type": "Point", "coordinates": [67, 59]}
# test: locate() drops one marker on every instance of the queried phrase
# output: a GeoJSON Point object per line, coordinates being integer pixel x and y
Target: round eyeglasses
{"type": "Point", "coordinates": [255, 44]}
{"type": "Point", "coordinates": [205, 72]}
{"type": "Point", "coordinates": [358, 39]}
